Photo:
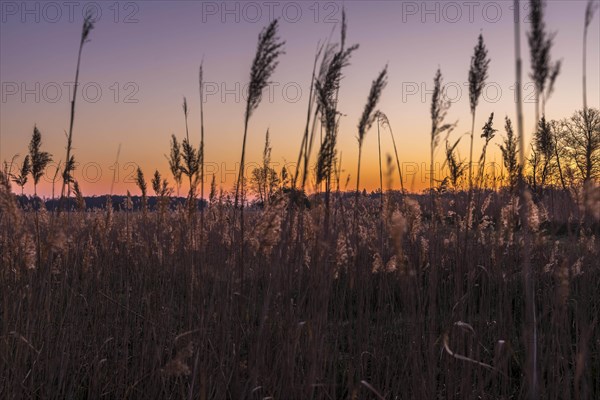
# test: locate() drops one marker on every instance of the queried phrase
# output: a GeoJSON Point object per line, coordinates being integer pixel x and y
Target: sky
{"type": "Point", "coordinates": [143, 58]}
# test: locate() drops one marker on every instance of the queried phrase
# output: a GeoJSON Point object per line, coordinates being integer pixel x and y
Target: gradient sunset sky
{"type": "Point", "coordinates": [143, 57]}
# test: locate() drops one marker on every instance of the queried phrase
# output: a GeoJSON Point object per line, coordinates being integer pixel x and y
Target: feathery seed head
{"type": "Point", "coordinates": [488, 129]}
{"type": "Point", "coordinates": [590, 10]}
{"type": "Point", "coordinates": [368, 116]}
{"type": "Point", "coordinates": [39, 159]}
{"type": "Point", "coordinates": [478, 72]}
{"type": "Point", "coordinates": [265, 61]}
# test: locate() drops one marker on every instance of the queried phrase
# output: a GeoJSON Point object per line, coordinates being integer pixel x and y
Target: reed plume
{"type": "Point", "coordinates": [509, 154]}
{"type": "Point", "coordinates": [327, 87]}
{"type": "Point", "coordinates": [329, 53]}
{"type": "Point", "coordinates": [544, 146]}
{"type": "Point", "coordinates": [185, 115]}
{"type": "Point", "coordinates": [68, 171]}
{"type": "Point", "coordinates": [265, 61]}
{"type": "Point", "coordinates": [487, 134]}
{"type": "Point", "coordinates": [190, 167]}
{"type": "Point", "coordinates": [22, 177]}
{"type": "Point", "coordinates": [191, 159]}
{"type": "Point", "coordinates": [39, 159]}
{"type": "Point", "coordinates": [141, 184]}
{"type": "Point", "coordinates": [456, 167]}
{"type": "Point", "coordinates": [156, 183]}
{"type": "Point", "coordinates": [590, 10]}
{"type": "Point", "coordinates": [439, 109]}
{"type": "Point", "coordinates": [79, 199]}
{"type": "Point", "coordinates": [543, 72]}
{"type": "Point", "coordinates": [478, 73]}
{"type": "Point", "coordinates": [162, 192]}
{"type": "Point", "coordinates": [175, 162]}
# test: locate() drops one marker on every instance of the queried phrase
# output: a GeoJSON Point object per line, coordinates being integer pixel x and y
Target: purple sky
{"type": "Point", "coordinates": [143, 58]}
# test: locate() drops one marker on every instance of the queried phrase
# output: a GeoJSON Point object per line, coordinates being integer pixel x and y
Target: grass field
{"type": "Point", "coordinates": [147, 305]}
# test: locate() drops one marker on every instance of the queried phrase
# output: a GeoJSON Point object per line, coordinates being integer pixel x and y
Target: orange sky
{"type": "Point", "coordinates": [135, 75]}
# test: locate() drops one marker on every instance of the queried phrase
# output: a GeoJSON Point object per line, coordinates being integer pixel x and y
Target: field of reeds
{"type": "Point", "coordinates": [272, 291]}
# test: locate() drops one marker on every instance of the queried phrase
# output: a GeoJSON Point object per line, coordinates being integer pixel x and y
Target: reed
{"type": "Point", "coordinates": [385, 122]}
{"type": "Point", "coordinates": [543, 71]}
{"type": "Point", "coordinates": [140, 182]}
{"type": "Point", "coordinates": [439, 108]}
{"type": "Point", "coordinates": [201, 148]}
{"type": "Point", "coordinates": [305, 146]}
{"type": "Point", "coordinates": [366, 121]}
{"type": "Point", "coordinates": [174, 159]}
{"type": "Point", "coordinates": [23, 176]}
{"type": "Point", "coordinates": [478, 74]}
{"type": "Point", "coordinates": [268, 51]}
{"type": "Point", "coordinates": [456, 167]}
{"type": "Point", "coordinates": [509, 150]}
{"type": "Point", "coordinates": [39, 159]}
{"type": "Point", "coordinates": [191, 162]}
{"type": "Point", "coordinates": [487, 134]}
{"type": "Point", "coordinates": [88, 25]}
{"type": "Point", "coordinates": [590, 10]}
{"type": "Point", "coordinates": [327, 89]}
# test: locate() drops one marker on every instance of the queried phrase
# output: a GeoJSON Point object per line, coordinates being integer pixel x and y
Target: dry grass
{"type": "Point", "coordinates": [108, 313]}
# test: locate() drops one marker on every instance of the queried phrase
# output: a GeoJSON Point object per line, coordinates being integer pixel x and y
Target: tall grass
{"type": "Point", "coordinates": [306, 144]}
{"type": "Point", "coordinates": [23, 176]}
{"type": "Point", "coordinates": [439, 108]}
{"type": "Point", "coordinates": [39, 161]}
{"type": "Point", "coordinates": [115, 315]}
{"type": "Point", "coordinates": [509, 150]}
{"type": "Point", "coordinates": [327, 87]}
{"type": "Point", "coordinates": [488, 133]}
{"type": "Point", "coordinates": [174, 159]}
{"type": "Point", "coordinates": [385, 122]}
{"type": "Point", "coordinates": [366, 121]}
{"type": "Point", "coordinates": [88, 25]}
{"type": "Point", "coordinates": [201, 148]}
{"type": "Point", "coordinates": [543, 71]}
{"type": "Point", "coordinates": [478, 74]}
{"type": "Point", "coordinates": [191, 161]}
{"type": "Point", "coordinates": [265, 61]}
{"type": "Point", "coordinates": [590, 10]}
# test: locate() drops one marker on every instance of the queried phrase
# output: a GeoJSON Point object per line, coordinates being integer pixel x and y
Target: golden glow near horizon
{"type": "Point", "coordinates": [134, 76]}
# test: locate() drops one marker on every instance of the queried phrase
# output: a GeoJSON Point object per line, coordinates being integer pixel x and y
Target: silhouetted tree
{"type": "Point", "coordinates": [582, 139]}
